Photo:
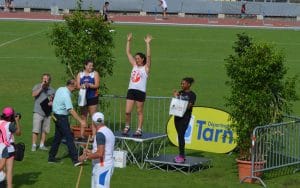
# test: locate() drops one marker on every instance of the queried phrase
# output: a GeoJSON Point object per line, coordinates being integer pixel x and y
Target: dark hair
{"type": "Point", "coordinates": [87, 62]}
{"type": "Point", "coordinates": [143, 56]}
{"type": "Point", "coordinates": [189, 80]}
{"type": "Point", "coordinates": [70, 82]}
{"type": "Point", "coordinates": [106, 3]}
{"type": "Point", "coordinates": [48, 75]}
{"type": "Point", "coordinates": [8, 118]}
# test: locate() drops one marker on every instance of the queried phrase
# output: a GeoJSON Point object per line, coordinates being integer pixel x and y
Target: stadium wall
{"type": "Point", "coordinates": [174, 6]}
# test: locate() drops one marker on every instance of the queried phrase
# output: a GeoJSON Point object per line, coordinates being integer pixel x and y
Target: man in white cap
{"type": "Point", "coordinates": [101, 154]}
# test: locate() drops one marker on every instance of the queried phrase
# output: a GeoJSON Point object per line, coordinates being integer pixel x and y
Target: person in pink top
{"type": "Point", "coordinates": [10, 126]}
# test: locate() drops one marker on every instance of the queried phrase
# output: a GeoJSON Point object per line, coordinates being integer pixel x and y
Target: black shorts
{"type": "Point", "coordinates": [92, 101]}
{"type": "Point", "coordinates": [136, 95]}
{"type": "Point", "coordinates": [105, 17]}
{"type": "Point", "coordinates": [11, 154]}
{"type": "Point", "coordinates": [3, 184]}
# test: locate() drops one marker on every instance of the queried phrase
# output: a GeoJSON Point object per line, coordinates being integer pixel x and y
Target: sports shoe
{"type": "Point", "coordinates": [77, 163]}
{"type": "Point", "coordinates": [179, 159]}
{"type": "Point", "coordinates": [33, 148]}
{"type": "Point", "coordinates": [126, 130]}
{"type": "Point", "coordinates": [43, 148]}
{"type": "Point", "coordinates": [138, 133]}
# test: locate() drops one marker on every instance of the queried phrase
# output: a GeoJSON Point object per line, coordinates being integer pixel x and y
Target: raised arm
{"type": "Point", "coordinates": [159, 3]}
{"type": "Point", "coordinates": [130, 57]}
{"type": "Point", "coordinates": [148, 39]}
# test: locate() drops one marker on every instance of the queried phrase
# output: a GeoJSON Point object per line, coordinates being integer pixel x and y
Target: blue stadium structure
{"type": "Point", "coordinates": [272, 8]}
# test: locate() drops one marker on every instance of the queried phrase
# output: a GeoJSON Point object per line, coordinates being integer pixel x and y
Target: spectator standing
{"type": "Point", "coordinates": [62, 107]}
{"type": "Point", "coordinates": [43, 95]}
{"type": "Point", "coordinates": [243, 10]}
{"type": "Point", "coordinates": [101, 154]}
{"type": "Point", "coordinates": [164, 7]}
{"type": "Point", "coordinates": [9, 4]}
{"type": "Point", "coordinates": [105, 11]}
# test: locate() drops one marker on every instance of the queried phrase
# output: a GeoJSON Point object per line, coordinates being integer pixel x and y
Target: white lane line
{"type": "Point", "coordinates": [210, 25]}
{"type": "Point", "coordinates": [8, 57]}
{"type": "Point", "coordinates": [265, 26]}
{"type": "Point", "coordinates": [33, 19]}
{"type": "Point", "coordinates": [20, 38]}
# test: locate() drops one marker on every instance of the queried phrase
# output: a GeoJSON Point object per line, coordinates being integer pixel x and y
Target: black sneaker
{"type": "Point", "coordinates": [53, 161]}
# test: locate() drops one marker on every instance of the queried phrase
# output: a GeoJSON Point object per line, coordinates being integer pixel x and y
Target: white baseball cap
{"type": "Point", "coordinates": [98, 117]}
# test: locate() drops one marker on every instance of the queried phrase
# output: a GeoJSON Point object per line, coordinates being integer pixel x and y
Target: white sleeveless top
{"type": "Point", "coordinates": [109, 147]}
{"type": "Point", "coordinates": [91, 74]}
{"type": "Point", "coordinates": [164, 4]}
{"type": "Point", "coordinates": [138, 78]}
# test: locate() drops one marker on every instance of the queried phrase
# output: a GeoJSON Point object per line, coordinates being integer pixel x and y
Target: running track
{"type": "Point", "coordinates": [172, 20]}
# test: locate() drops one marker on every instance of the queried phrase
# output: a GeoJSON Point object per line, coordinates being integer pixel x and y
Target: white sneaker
{"type": "Point", "coordinates": [77, 163]}
{"type": "Point", "coordinates": [33, 148]}
{"type": "Point", "coordinates": [43, 148]}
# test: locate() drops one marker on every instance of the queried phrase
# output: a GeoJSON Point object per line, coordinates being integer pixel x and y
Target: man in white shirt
{"type": "Point", "coordinates": [164, 6]}
{"type": "Point", "coordinates": [101, 154]}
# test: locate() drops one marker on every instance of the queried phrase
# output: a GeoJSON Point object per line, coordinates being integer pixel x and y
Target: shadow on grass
{"type": "Point", "coordinates": [28, 178]}
{"type": "Point", "coordinates": [284, 171]}
{"type": "Point", "coordinates": [195, 154]}
{"type": "Point", "coordinates": [62, 149]}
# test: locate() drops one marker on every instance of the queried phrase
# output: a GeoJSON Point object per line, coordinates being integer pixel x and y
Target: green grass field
{"type": "Point", "coordinates": [25, 53]}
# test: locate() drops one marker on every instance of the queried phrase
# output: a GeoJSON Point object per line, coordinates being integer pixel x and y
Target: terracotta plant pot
{"type": "Point", "coordinates": [244, 168]}
{"type": "Point", "coordinates": [76, 131]}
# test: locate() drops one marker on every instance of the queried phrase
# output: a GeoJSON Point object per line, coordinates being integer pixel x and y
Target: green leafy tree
{"type": "Point", "coordinates": [84, 36]}
{"type": "Point", "coordinates": [260, 93]}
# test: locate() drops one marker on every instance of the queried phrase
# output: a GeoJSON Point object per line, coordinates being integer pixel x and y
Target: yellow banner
{"type": "Point", "coordinates": [208, 130]}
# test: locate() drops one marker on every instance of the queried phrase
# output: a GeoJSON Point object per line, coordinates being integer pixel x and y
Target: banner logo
{"type": "Point", "coordinates": [208, 130]}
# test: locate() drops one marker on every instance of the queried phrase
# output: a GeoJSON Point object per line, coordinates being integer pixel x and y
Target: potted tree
{"type": "Point", "coordinates": [260, 93]}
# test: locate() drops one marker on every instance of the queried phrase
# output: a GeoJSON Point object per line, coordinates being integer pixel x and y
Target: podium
{"type": "Point", "coordinates": [140, 148]}
{"type": "Point", "coordinates": [166, 163]}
